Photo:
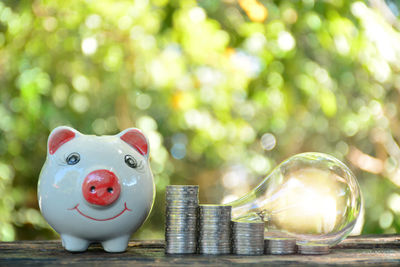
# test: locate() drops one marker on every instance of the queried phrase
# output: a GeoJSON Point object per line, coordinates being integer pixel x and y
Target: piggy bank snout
{"type": "Point", "coordinates": [101, 187]}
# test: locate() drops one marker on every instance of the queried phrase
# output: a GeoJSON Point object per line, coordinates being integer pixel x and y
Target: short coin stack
{"type": "Point", "coordinates": [181, 219]}
{"type": "Point", "coordinates": [214, 229]}
{"type": "Point", "coordinates": [279, 243]}
{"type": "Point", "coordinates": [313, 249]}
{"type": "Point", "coordinates": [247, 238]}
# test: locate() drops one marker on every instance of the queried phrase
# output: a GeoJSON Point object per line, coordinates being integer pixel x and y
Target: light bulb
{"type": "Point", "coordinates": [313, 197]}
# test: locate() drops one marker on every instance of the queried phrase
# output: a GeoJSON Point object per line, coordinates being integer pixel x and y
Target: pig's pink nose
{"type": "Point", "coordinates": [101, 187]}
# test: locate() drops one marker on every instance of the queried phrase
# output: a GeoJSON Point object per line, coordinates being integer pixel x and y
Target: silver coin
{"type": "Point", "coordinates": [180, 218]}
{"type": "Point", "coordinates": [207, 207]}
{"type": "Point", "coordinates": [248, 231]}
{"type": "Point", "coordinates": [180, 251]}
{"type": "Point", "coordinates": [213, 241]}
{"type": "Point", "coordinates": [181, 213]}
{"type": "Point", "coordinates": [313, 249]}
{"type": "Point", "coordinates": [248, 234]}
{"type": "Point", "coordinates": [212, 246]}
{"type": "Point", "coordinates": [248, 242]}
{"type": "Point", "coordinates": [186, 190]}
{"type": "Point", "coordinates": [215, 248]}
{"type": "Point", "coordinates": [178, 248]}
{"type": "Point", "coordinates": [176, 233]}
{"type": "Point", "coordinates": [214, 216]}
{"type": "Point", "coordinates": [181, 247]}
{"type": "Point", "coordinates": [205, 236]}
{"type": "Point", "coordinates": [215, 219]}
{"type": "Point", "coordinates": [185, 225]}
{"type": "Point", "coordinates": [223, 251]}
{"type": "Point", "coordinates": [247, 238]}
{"type": "Point", "coordinates": [223, 236]}
{"type": "Point", "coordinates": [183, 229]}
{"type": "Point", "coordinates": [183, 241]}
{"type": "Point", "coordinates": [189, 242]}
{"type": "Point", "coordinates": [211, 213]}
{"type": "Point", "coordinates": [214, 229]}
{"type": "Point", "coordinates": [181, 194]}
{"type": "Point", "coordinates": [280, 246]}
{"type": "Point", "coordinates": [183, 199]}
{"type": "Point", "coordinates": [174, 244]}
{"type": "Point", "coordinates": [247, 252]}
{"type": "Point", "coordinates": [183, 208]}
{"type": "Point", "coordinates": [221, 222]}
{"type": "Point", "coordinates": [180, 227]}
{"type": "Point", "coordinates": [205, 210]}
{"type": "Point", "coordinates": [188, 235]}
{"type": "Point", "coordinates": [169, 187]}
{"type": "Point", "coordinates": [176, 218]}
{"type": "Point", "coordinates": [214, 233]}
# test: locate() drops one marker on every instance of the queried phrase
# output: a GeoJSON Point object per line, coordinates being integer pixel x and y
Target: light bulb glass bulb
{"type": "Point", "coordinates": [311, 196]}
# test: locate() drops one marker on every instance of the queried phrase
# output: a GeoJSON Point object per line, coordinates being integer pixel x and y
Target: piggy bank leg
{"type": "Point", "coordinates": [118, 244]}
{"type": "Point", "coordinates": [74, 244]}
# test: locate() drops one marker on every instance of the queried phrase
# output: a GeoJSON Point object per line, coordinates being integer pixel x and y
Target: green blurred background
{"type": "Point", "coordinates": [225, 90]}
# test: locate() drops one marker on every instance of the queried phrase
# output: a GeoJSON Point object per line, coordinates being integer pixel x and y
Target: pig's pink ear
{"type": "Point", "coordinates": [60, 136]}
{"type": "Point", "coordinates": [136, 139]}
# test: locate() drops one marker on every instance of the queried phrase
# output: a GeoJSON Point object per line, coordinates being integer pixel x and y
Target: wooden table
{"type": "Point", "coordinates": [356, 251]}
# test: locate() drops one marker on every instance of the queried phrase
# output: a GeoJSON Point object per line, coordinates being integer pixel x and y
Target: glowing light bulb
{"type": "Point", "coordinates": [311, 196]}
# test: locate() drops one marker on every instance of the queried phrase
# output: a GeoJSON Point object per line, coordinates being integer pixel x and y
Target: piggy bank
{"type": "Point", "coordinates": [96, 188]}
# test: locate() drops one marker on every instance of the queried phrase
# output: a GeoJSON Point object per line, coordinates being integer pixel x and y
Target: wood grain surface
{"type": "Point", "coordinates": [376, 250]}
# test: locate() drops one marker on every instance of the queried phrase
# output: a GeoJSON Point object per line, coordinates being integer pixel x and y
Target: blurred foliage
{"type": "Point", "coordinates": [225, 90]}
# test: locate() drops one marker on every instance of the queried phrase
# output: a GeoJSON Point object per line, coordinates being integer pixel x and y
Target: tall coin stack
{"type": "Point", "coordinates": [214, 229]}
{"type": "Point", "coordinates": [181, 219]}
{"type": "Point", "coordinates": [247, 238]}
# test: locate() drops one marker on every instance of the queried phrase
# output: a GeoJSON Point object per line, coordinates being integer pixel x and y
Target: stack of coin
{"type": "Point", "coordinates": [214, 229]}
{"type": "Point", "coordinates": [181, 219]}
{"type": "Point", "coordinates": [279, 243]}
{"type": "Point", "coordinates": [247, 238]}
{"type": "Point", "coordinates": [313, 249]}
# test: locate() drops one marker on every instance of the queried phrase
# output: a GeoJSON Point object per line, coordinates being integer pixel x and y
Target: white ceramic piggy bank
{"type": "Point", "coordinates": [96, 188]}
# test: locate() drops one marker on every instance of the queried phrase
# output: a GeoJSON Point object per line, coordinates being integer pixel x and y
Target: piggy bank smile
{"type": "Point", "coordinates": [96, 188]}
{"type": "Point", "coordinates": [96, 219]}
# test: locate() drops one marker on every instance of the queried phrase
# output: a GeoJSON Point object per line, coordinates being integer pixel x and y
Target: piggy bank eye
{"type": "Point", "coordinates": [73, 158]}
{"type": "Point", "coordinates": [131, 161]}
